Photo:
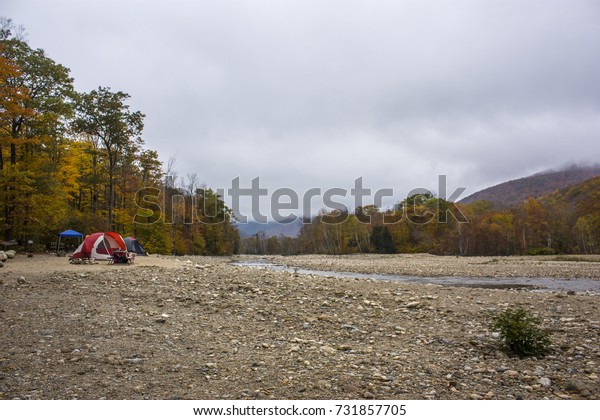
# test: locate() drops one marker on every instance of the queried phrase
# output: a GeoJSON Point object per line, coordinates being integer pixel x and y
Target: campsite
{"type": "Point", "coordinates": [299, 200]}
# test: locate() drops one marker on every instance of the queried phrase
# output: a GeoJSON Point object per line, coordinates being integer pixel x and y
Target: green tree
{"type": "Point", "coordinates": [382, 241]}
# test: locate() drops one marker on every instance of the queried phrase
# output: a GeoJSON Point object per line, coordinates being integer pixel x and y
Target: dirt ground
{"type": "Point", "coordinates": [200, 328]}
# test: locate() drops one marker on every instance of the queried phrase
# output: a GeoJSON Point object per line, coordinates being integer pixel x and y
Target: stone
{"type": "Point", "coordinates": [328, 350]}
{"type": "Point", "coordinates": [545, 382]}
{"type": "Point", "coordinates": [413, 305]}
{"type": "Point", "coordinates": [21, 280]}
{"type": "Point", "coordinates": [574, 386]}
{"type": "Point", "coordinates": [511, 373]}
{"type": "Point", "coordinates": [3, 256]}
{"type": "Point", "coordinates": [11, 253]}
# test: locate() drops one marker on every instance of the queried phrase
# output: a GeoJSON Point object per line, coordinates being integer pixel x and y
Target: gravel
{"type": "Point", "coordinates": [199, 328]}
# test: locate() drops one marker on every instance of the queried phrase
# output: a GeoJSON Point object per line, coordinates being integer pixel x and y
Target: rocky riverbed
{"type": "Point", "coordinates": [199, 328]}
{"type": "Point", "coordinates": [563, 267]}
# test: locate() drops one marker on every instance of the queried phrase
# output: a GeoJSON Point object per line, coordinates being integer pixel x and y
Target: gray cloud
{"type": "Point", "coordinates": [317, 93]}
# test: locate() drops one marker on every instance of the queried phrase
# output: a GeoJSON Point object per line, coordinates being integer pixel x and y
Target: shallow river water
{"type": "Point", "coordinates": [537, 284]}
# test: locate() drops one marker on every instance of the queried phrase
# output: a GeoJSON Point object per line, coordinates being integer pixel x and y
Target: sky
{"type": "Point", "coordinates": [317, 93]}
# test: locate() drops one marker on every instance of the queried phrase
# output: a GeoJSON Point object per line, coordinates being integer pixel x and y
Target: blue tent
{"type": "Point", "coordinates": [70, 234]}
{"type": "Point", "coordinates": [67, 234]}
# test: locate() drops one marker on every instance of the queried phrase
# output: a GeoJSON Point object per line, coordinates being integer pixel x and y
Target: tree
{"type": "Point", "coordinates": [382, 241]}
{"type": "Point", "coordinates": [36, 96]}
{"type": "Point", "coordinates": [104, 115]}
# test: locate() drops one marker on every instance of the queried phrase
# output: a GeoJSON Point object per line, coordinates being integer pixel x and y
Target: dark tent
{"type": "Point", "coordinates": [133, 245]}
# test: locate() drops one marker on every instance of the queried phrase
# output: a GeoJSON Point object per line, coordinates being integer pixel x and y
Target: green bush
{"type": "Point", "coordinates": [520, 331]}
{"type": "Point", "coordinates": [541, 251]}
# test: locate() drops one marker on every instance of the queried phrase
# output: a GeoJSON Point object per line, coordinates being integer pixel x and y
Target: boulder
{"type": "Point", "coordinates": [11, 253]}
{"type": "Point", "coordinates": [3, 256]}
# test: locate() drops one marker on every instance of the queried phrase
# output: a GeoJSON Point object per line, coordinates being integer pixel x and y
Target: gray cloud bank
{"type": "Point", "coordinates": [318, 93]}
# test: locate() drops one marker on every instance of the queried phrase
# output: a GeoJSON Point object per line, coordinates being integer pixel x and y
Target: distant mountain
{"type": "Point", "coordinates": [516, 191]}
{"type": "Point", "coordinates": [289, 228]}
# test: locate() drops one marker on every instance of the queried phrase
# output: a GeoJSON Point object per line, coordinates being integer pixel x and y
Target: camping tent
{"type": "Point", "coordinates": [100, 245]}
{"type": "Point", "coordinates": [133, 245]}
{"type": "Point", "coordinates": [67, 234]}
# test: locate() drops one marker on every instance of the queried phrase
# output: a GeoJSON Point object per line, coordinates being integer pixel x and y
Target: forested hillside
{"type": "Point", "coordinates": [77, 160]}
{"type": "Point", "coordinates": [566, 221]}
{"type": "Point", "coordinates": [513, 192]}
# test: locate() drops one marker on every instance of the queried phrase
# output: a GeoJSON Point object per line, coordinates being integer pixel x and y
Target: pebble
{"type": "Point", "coordinates": [538, 372]}
{"type": "Point", "coordinates": [511, 373]}
{"type": "Point", "coordinates": [545, 382]}
{"type": "Point", "coordinates": [328, 350]}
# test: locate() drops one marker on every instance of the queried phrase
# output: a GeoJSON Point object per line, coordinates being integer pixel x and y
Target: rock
{"type": "Point", "coordinates": [328, 350]}
{"type": "Point", "coordinates": [575, 386]}
{"type": "Point", "coordinates": [1, 264]}
{"type": "Point", "coordinates": [538, 372]}
{"type": "Point", "coordinates": [21, 280]}
{"type": "Point", "coordinates": [545, 382]}
{"type": "Point", "coordinates": [511, 373]}
{"type": "Point", "coordinates": [350, 389]}
{"type": "Point", "coordinates": [3, 256]}
{"type": "Point", "coordinates": [135, 361]}
{"type": "Point", "coordinates": [11, 253]}
{"type": "Point", "coordinates": [413, 305]}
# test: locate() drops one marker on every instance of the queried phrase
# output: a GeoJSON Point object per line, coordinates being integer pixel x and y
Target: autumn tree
{"type": "Point", "coordinates": [37, 95]}
{"type": "Point", "coordinates": [104, 115]}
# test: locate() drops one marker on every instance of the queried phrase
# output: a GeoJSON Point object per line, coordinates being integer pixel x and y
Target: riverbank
{"type": "Point", "coordinates": [199, 328]}
{"type": "Point", "coordinates": [563, 267]}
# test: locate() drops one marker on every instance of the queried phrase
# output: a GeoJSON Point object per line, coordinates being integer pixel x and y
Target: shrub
{"type": "Point", "coordinates": [541, 251]}
{"type": "Point", "coordinates": [520, 331]}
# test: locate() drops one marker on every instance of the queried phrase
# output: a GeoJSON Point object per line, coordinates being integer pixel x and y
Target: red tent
{"type": "Point", "coordinates": [100, 245]}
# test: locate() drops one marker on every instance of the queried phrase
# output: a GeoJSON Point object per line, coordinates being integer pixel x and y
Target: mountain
{"type": "Point", "coordinates": [289, 228]}
{"type": "Point", "coordinates": [516, 191]}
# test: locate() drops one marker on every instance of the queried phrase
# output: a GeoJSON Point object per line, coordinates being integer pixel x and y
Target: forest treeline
{"type": "Point", "coordinates": [76, 160]}
{"type": "Point", "coordinates": [566, 221]}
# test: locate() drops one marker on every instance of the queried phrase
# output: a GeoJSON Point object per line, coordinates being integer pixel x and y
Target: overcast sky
{"type": "Point", "coordinates": [316, 93]}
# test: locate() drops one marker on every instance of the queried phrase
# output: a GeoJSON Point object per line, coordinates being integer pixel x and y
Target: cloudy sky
{"type": "Point", "coordinates": [316, 93]}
